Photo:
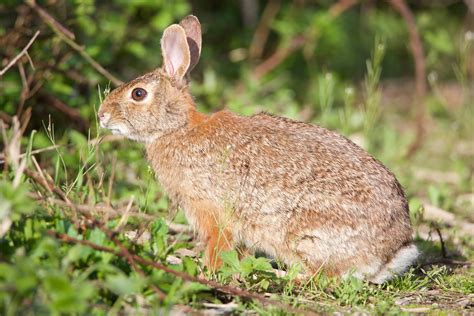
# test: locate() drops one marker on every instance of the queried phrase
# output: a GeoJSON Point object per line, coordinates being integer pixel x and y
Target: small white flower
{"type": "Point", "coordinates": [469, 36]}
{"type": "Point", "coordinates": [432, 77]}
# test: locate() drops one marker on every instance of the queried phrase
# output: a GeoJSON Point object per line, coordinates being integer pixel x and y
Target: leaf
{"type": "Point", "coordinates": [262, 264]}
{"type": "Point", "coordinates": [97, 237]}
{"type": "Point", "coordinates": [264, 284]}
{"type": "Point", "coordinates": [120, 284]}
{"type": "Point", "coordinates": [190, 266]}
{"type": "Point", "coordinates": [159, 234]}
{"type": "Point", "coordinates": [231, 259]}
{"type": "Point", "coordinates": [76, 253]}
{"type": "Point", "coordinates": [66, 296]}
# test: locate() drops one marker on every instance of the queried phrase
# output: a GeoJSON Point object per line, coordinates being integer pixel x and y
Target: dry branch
{"type": "Point", "coordinates": [263, 29]}
{"type": "Point", "coordinates": [5, 117]}
{"type": "Point", "coordinates": [62, 107]}
{"type": "Point", "coordinates": [420, 72]}
{"type": "Point", "coordinates": [278, 57]}
{"type": "Point", "coordinates": [68, 37]}
{"type": "Point", "coordinates": [21, 54]}
{"type": "Point", "coordinates": [284, 51]}
{"type": "Point", "coordinates": [341, 6]}
{"type": "Point", "coordinates": [47, 185]}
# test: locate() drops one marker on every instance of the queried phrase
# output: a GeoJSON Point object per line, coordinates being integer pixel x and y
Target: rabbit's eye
{"type": "Point", "coordinates": [138, 94]}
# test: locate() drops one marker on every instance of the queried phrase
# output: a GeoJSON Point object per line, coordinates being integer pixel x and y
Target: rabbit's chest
{"type": "Point", "coordinates": [186, 176]}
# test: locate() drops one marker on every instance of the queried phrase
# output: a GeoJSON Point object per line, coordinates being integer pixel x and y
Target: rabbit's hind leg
{"type": "Point", "coordinates": [335, 252]}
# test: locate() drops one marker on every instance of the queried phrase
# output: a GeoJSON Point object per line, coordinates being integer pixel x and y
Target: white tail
{"type": "Point", "coordinates": [400, 263]}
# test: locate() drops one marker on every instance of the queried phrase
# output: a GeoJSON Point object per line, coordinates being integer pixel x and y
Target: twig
{"type": "Point", "coordinates": [111, 180]}
{"type": "Point", "coordinates": [70, 112]}
{"type": "Point", "coordinates": [5, 117]}
{"type": "Point", "coordinates": [278, 57]}
{"type": "Point", "coordinates": [284, 51]}
{"type": "Point", "coordinates": [124, 218]}
{"type": "Point", "coordinates": [17, 57]}
{"type": "Point", "coordinates": [66, 37]}
{"type": "Point", "coordinates": [41, 173]}
{"type": "Point", "coordinates": [36, 151]}
{"type": "Point", "coordinates": [88, 209]}
{"type": "Point", "coordinates": [263, 29]}
{"type": "Point", "coordinates": [443, 247]}
{"type": "Point", "coordinates": [47, 185]}
{"type": "Point", "coordinates": [341, 6]}
{"type": "Point", "coordinates": [25, 89]}
{"type": "Point", "coordinates": [420, 72]}
{"type": "Point", "coordinates": [57, 25]}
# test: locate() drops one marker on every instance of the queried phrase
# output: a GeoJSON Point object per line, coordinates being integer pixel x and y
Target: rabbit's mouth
{"type": "Point", "coordinates": [117, 129]}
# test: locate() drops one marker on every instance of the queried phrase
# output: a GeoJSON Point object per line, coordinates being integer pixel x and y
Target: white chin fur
{"type": "Point", "coordinates": [124, 131]}
{"type": "Point", "coordinates": [119, 130]}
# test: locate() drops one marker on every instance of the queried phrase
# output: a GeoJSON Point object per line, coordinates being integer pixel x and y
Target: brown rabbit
{"type": "Point", "coordinates": [295, 191]}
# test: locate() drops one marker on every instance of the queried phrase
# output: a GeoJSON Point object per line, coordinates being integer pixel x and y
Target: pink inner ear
{"type": "Point", "coordinates": [175, 52]}
{"type": "Point", "coordinates": [169, 66]}
{"type": "Point", "coordinates": [169, 43]}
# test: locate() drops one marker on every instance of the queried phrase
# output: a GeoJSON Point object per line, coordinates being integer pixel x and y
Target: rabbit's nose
{"type": "Point", "coordinates": [104, 117]}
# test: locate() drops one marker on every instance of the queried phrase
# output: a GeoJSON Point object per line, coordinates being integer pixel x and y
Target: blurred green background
{"type": "Point", "coordinates": [346, 65]}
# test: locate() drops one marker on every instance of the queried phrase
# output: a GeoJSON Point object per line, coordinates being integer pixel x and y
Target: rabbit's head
{"type": "Point", "coordinates": [157, 102]}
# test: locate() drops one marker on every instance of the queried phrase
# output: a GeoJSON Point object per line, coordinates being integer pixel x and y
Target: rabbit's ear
{"type": "Point", "coordinates": [175, 50]}
{"type": "Point", "coordinates": [192, 28]}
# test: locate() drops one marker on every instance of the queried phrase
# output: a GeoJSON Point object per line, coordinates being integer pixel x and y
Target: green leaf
{"type": "Point", "coordinates": [231, 258]}
{"type": "Point", "coordinates": [76, 253]}
{"type": "Point", "coordinates": [120, 284]}
{"type": "Point", "coordinates": [66, 296]}
{"type": "Point", "coordinates": [190, 266]}
{"type": "Point", "coordinates": [262, 264]}
{"type": "Point", "coordinates": [97, 237]}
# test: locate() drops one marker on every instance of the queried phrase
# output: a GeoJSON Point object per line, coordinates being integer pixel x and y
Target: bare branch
{"type": "Point", "coordinates": [68, 111]}
{"type": "Point", "coordinates": [341, 6]}
{"type": "Point", "coordinates": [285, 50]}
{"type": "Point", "coordinates": [68, 38]}
{"type": "Point", "coordinates": [17, 57]}
{"type": "Point", "coordinates": [263, 29]}
{"type": "Point", "coordinates": [420, 72]}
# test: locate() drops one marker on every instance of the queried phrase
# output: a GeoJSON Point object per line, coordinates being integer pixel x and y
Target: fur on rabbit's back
{"type": "Point", "coordinates": [293, 190]}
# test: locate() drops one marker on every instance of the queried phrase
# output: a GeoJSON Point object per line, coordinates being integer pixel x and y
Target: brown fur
{"type": "Point", "coordinates": [293, 190]}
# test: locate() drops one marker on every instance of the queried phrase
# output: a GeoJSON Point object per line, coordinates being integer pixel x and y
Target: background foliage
{"type": "Point", "coordinates": [351, 70]}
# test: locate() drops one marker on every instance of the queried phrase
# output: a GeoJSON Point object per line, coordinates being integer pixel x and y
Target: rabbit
{"type": "Point", "coordinates": [295, 191]}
